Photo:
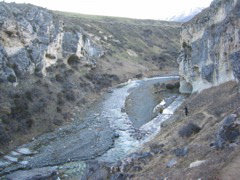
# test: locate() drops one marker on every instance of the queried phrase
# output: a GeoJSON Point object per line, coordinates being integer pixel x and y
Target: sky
{"type": "Point", "coordinates": [139, 9]}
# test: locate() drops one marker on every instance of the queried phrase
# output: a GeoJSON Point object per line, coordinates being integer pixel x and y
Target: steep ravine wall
{"type": "Point", "coordinates": [33, 38]}
{"type": "Point", "coordinates": [210, 53]}
{"type": "Point", "coordinates": [42, 66]}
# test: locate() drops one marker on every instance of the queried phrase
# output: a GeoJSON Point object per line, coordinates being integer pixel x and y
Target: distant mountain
{"type": "Point", "coordinates": [185, 16]}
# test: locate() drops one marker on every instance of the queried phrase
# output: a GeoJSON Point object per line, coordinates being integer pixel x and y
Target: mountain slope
{"type": "Point", "coordinates": [142, 41]}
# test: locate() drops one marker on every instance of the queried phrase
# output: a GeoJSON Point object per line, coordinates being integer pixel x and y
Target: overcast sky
{"type": "Point", "coordinates": [141, 9]}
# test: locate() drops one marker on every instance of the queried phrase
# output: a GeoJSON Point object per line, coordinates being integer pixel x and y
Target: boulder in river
{"type": "Point", "coordinates": [25, 151]}
{"type": "Point", "coordinates": [3, 164]}
{"type": "Point", "coordinates": [116, 135]}
{"type": "Point", "coordinates": [11, 159]}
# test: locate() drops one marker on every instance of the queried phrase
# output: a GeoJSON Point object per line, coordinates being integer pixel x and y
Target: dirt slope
{"type": "Point", "coordinates": [173, 152]}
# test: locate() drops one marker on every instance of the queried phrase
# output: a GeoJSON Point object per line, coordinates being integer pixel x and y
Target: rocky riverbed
{"type": "Point", "coordinates": [103, 134]}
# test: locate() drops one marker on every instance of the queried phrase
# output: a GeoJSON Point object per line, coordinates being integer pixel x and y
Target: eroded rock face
{"type": "Point", "coordinates": [33, 38]}
{"type": "Point", "coordinates": [210, 52]}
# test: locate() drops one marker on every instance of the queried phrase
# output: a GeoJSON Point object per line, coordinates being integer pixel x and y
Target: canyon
{"type": "Point", "coordinates": [55, 64]}
{"type": "Point", "coordinates": [76, 103]}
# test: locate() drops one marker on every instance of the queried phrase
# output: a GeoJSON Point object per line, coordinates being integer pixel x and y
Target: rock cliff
{"type": "Point", "coordinates": [32, 39]}
{"type": "Point", "coordinates": [210, 52]}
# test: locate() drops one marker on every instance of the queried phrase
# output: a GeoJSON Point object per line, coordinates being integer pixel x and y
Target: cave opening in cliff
{"type": "Point", "coordinates": [73, 61]}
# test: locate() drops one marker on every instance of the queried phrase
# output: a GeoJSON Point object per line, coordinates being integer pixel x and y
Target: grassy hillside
{"type": "Point", "coordinates": [146, 45]}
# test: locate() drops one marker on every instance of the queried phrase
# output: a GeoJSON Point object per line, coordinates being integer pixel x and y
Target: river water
{"type": "Point", "coordinates": [133, 135]}
{"type": "Point", "coordinates": [106, 133]}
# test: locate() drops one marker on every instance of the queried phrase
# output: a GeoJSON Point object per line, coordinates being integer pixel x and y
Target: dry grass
{"type": "Point", "coordinates": [206, 109]}
{"type": "Point", "coordinates": [155, 43]}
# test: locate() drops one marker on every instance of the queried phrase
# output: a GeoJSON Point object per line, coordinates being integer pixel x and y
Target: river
{"type": "Point", "coordinates": [104, 133]}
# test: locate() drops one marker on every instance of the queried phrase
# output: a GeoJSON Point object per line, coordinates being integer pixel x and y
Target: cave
{"type": "Point", "coordinates": [73, 61]}
{"type": "Point", "coordinates": [50, 56]}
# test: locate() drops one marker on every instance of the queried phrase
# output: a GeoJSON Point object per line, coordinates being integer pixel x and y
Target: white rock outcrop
{"type": "Point", "coordinates": [33, 38]}
{"type": "Point", "coordinates": [210, 52]}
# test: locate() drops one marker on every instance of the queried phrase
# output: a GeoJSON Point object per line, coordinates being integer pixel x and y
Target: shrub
{"type": "Point", "coordinates": [9, 33]}
{"type": "Point", "coordinates": [50, 69]}
{"type": "Point", "coordinates": [28, 96]}
{"type": "Point", "coordinates": [59, 61]}
{"type": "Point", "coordinates": [188, 130]}
{"type": "Point", "coordinates": [46, 85]}
{"type": "Point", "coordinates": [170, 86]}
{"type": "Point", "coordinates": [70, 95]}
{"type": "Point", "coordinates": [102, 80]}
{"type": "Point", "coordinates": [68, 72]}
{"type": "Point", "coordinates": [84, 38]}
{"type": "Point", "coordinates": [63, 66]}
{"type": "Point", "coordinates": [29, 123]}
{"type": "Point", "coordinates": [20, 108]}
{"type": "Point", "coordinates": [161, 110]}
{"type": "Point", "coordinates": [4, 136]}
{"type": "Point", "coordinates": [59, 110]}
{"type": "Point", "coordinates": [5, 119]}
{"type": "Point", "coordinates": [36, 92]}
{"type": "Point", "coordinates": [60, 100]}
{"type": "Point", "coordinates": [57, 121]}
{"type": "Point", "coordinates": [11, 78]}
{"type": "Point", "coordinates": [38, 82]}
{"type": "Point", "coordinates": [139, 76]}
{"type": "Point", "coordinates": [59, 78]}
{"type": "Point", "coordinates": [177, 84]}
{"type": "Point", "coordinates": [156, 148]}
{"type": "Point", "coordinates": [184, 44]}
{"type": "Point", "coordinates": [40, 106]}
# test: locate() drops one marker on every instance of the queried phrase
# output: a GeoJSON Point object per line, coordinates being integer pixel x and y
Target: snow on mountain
{"type": "Point", "coordinates": [185, 16]}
